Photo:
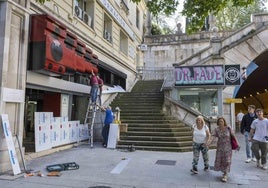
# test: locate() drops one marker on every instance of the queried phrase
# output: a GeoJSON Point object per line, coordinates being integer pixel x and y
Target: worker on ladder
{"type": "Point", "coordinates": [100, 82]}
{"type": "Point", "coordinates": [92, 105]}
{"type": "Point", "coordinates": [93, 81]}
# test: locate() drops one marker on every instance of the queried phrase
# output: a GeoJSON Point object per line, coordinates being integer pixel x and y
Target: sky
{"type": "Point", "coordinates": [172, 22]}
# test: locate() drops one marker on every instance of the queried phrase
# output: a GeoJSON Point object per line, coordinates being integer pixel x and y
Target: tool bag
{"type": "Point", "coordinates": [62, 167]}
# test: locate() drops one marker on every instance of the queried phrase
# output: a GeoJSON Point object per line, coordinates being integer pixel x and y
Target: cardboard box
{"type": "Point", "coordinates": [123, 128]}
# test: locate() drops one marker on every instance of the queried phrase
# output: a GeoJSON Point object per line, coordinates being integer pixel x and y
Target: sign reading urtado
{"type": "Point", "coordinates": [199, 75]}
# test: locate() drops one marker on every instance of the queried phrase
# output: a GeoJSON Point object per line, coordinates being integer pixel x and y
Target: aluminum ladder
{"type": "Point", "coordinates": [90, 119]}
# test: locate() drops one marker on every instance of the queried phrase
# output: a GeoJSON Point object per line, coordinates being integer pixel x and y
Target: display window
{"type": "Point", "coordinates": [203, 100]}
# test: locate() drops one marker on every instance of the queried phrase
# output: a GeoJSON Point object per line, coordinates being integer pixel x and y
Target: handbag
{"type": "Point", "coordinates": [233, 141]}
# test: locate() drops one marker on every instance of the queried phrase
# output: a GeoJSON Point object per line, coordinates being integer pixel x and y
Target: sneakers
{"type": "Point", "coordinates": [248, 160]}
{"type": "Point", "coordinates": [264, 167]}
{"type": "Point", "coordinates": [194, 170]}
{"type": "Point", "coordinates": [254, 159]}
{"type": "Point", "coordinates": [259, 164]}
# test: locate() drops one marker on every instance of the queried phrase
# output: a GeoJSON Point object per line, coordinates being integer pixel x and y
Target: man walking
{"type": "Point", "coordinates": [245, 129]}
{"type": "Point", "coordinates": [258, 136]}
{"type": "Point", "coordinates": [239, 118]}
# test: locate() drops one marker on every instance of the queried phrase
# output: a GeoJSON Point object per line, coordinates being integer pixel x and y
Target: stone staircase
{"type": "Point", "coordinates": [148, 127]}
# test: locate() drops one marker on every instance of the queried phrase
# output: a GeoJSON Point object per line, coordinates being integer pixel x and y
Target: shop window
{"type": "Point", "coordinates": [107, 31]}
{"type": "Point", "coordinates": [84, 10]}
{"type": "Point", "coordinates": [109, 78]}
{"type": "Point", "coordinates": [79, 107]}
{"type": "Point", "coordinates": [123, 43]}
{"type": "Point", "coordinates": [200, 99]}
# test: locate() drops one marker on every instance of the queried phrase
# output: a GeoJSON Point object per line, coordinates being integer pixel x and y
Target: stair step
{"type": "Point", "coordinates": [155, 143]}
{"type": "Point", "coordinates": [155, 121]}
{"type": "Point", "coordinates": [157, 148]}
{"type": "Point", "coordinates": [138, 104]}
{"type": "Point", "coordinates": [139, 110]}
{"type": "Point", "coordinates": [164, 125]}
{"type": "Point", "coordinates": [148, 127]}
{"type": "Point", "coordinates": [158, 129]}
{"type": "Point", "coordinates": [142, 117]}
{"type": "Point", "coordinates": [157, 138]}
{"type": "Point", "coordinates": [165, 134]}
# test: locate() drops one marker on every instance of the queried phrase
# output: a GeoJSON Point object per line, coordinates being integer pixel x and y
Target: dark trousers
{"type": "Point", "coordinates": [105, 133]}
{"type": "Point", "coordinates": [94, 93]}
{"type": "Point", "coordinates": [258, 146]}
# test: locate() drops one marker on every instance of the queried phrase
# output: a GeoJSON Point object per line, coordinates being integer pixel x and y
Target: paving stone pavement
{"type": "Point", "coordinates": [111, 168]}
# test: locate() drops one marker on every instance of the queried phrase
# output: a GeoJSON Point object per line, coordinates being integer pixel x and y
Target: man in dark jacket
{"type": "Point", "coordinates": [245, 129]}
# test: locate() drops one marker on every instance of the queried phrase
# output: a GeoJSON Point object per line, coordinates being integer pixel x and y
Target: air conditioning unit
{"type": "Point", "coordinates": [143, 47]}
{"type": "Point", "coordinates": [109, 38]}
{"type": "Point", "coordinates": [87, 19]}
{"type": "Point", "coordinates": [78, 12]}
{"type": "Point", "coordinates": [106, 34]}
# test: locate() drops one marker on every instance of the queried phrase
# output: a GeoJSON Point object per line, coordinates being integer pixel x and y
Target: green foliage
{"type": "Point", "coordinates": [167, 30]}
{"type": "Point", "coordinates": [161, 22]}
{"type": "Point", "coordinates": [231, 17]}
{"type": "Point", "coordinates": [196, 11]}
{"type": "Point", "coordinates": [156, 30]}
{"type": "Point", "coordinates": [41, 1]}
{"type": "Point", "coordinates": [157, 7]}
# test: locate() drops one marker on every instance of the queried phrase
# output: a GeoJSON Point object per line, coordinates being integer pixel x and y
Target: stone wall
{"type": "Point", "coordinates": [14, 20]}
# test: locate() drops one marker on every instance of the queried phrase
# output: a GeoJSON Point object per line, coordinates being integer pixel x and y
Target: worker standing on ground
{"type": "Point", "coordinates": [109, 118]}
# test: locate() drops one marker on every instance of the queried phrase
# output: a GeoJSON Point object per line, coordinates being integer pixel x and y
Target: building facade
{"type": "Point", "coordinates": [48, 51]}
{"type": "Point", "coordinates": [200, 53]}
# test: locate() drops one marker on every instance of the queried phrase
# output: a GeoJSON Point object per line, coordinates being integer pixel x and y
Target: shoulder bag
{"type": "Point", "coordinates": [233, 141]}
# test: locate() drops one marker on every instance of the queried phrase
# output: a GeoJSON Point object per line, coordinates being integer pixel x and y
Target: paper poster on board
{"type": "Point", "coordinates": [42, 131]}
{"type": "Point", "coordinates": [64, 107]}
{"type": "Point", "coordinates": [10, 145]}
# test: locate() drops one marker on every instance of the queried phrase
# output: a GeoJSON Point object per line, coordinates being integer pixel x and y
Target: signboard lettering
{"type": "Point", "coordinates": [207, 75]}
{"type": "Point", "coordinates": [199, 75]}
{"type": "Point", "coordinates": [233, 100]}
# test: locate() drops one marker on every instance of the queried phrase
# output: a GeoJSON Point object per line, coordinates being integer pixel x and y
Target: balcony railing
{"type": "Point", "coordinates": [157, 73]}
